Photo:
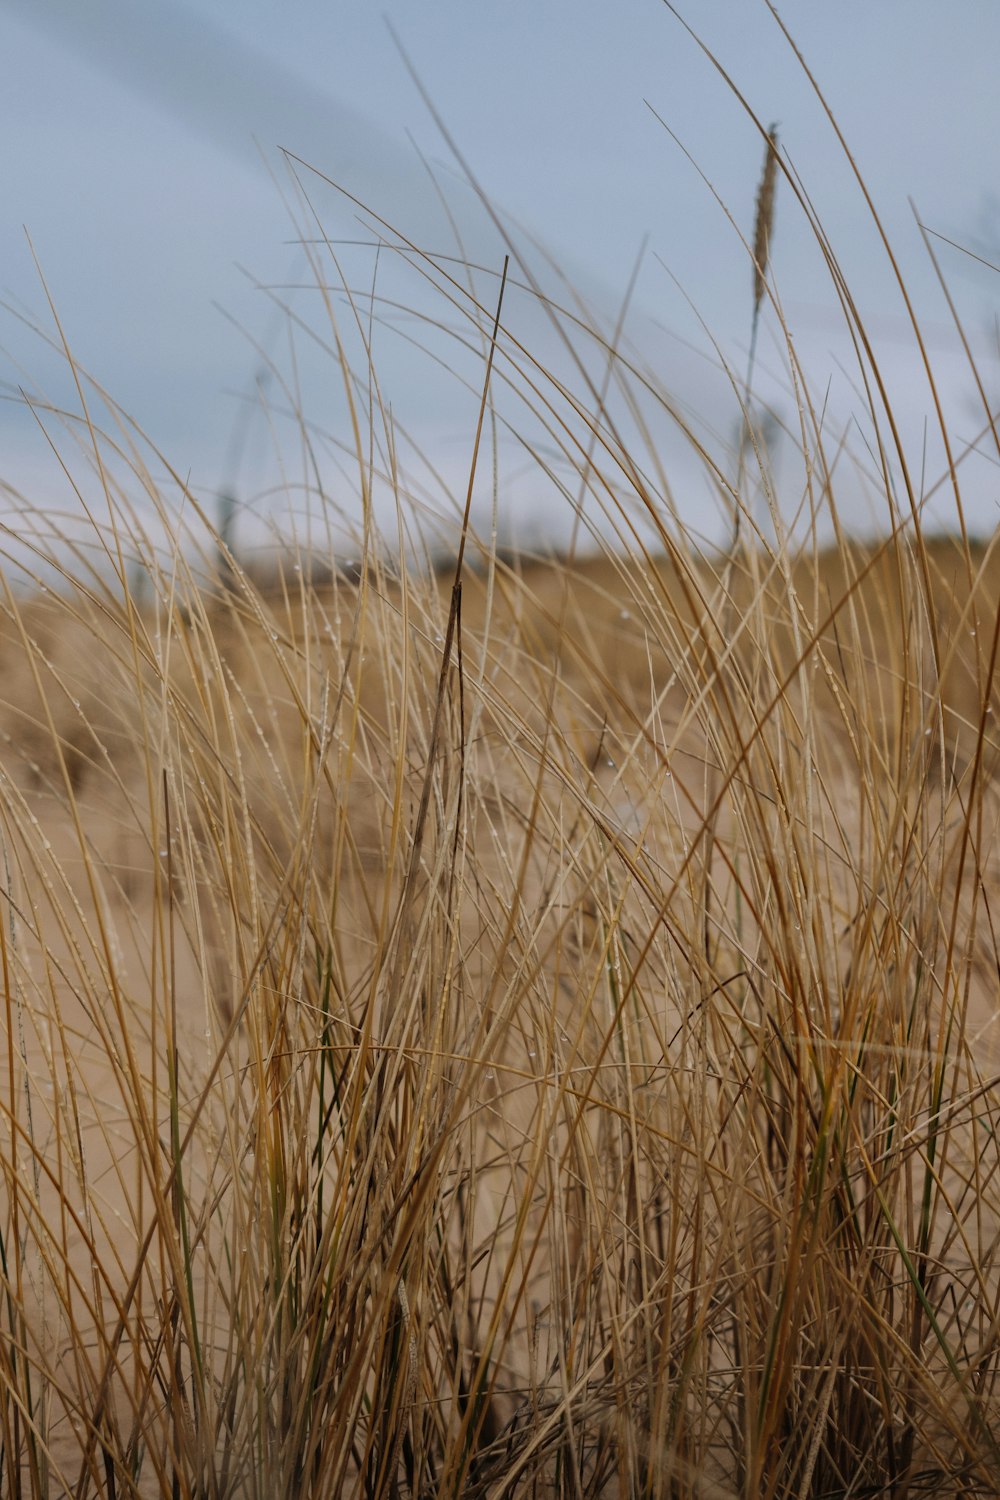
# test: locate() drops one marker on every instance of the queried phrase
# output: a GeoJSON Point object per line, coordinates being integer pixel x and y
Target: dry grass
{"type": "Point", "coordinates": [528, 1034]}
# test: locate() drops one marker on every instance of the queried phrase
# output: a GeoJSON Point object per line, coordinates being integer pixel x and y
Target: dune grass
{"type": "Point", "coordinates": [525, 1032]}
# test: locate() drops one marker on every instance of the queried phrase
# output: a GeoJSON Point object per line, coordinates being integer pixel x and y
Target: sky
{"type": "Point", "coordinates": [145, 203]}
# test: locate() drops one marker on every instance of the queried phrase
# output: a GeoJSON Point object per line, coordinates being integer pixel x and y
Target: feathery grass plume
{"type": "Point", "coordinates": [764, 218]}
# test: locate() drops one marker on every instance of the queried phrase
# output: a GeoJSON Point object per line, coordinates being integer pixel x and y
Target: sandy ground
{"type": "Point", "coordinates": [120, 932]}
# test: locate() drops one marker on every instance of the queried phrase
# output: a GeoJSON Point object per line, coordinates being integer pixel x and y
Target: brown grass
{"type": "Point", "coordinates": [532, 1033]}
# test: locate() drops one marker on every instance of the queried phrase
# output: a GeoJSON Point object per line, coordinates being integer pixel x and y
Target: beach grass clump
{"type": "Point", "coordinates": [523, 1030]}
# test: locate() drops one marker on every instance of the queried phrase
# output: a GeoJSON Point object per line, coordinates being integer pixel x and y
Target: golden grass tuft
{"type": "Point", "coordinates": [526, 1033]}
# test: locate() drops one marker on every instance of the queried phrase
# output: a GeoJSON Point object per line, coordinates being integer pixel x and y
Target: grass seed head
{"type": "Point", "coordinates": [764, 218]}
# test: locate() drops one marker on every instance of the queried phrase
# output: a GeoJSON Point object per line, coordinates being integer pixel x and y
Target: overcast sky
{"type": "Point", "coordinates": [131, 152]}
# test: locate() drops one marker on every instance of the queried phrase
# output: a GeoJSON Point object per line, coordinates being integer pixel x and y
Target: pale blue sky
{"type": "Point", "coordinates": [128, 153]}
